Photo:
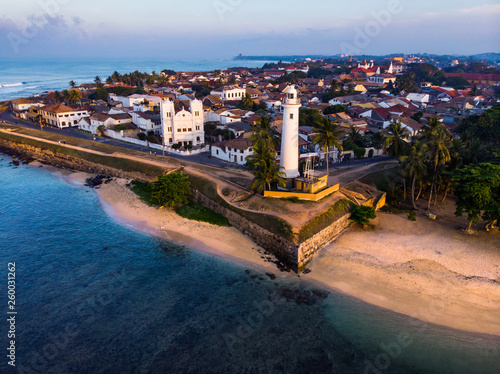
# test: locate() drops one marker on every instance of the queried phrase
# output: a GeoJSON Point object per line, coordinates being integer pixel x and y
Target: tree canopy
{"type": "Point", "coordinates": [170, 190]}
{"type": "Point", "coordinates": [478, 190]}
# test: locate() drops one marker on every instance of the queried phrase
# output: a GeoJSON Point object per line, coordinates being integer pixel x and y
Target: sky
{"type": "Point", "coordinates": [204, 29]}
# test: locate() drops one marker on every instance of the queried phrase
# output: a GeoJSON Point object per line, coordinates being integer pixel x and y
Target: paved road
{"type": "Point", "coordinates": [200, 159]}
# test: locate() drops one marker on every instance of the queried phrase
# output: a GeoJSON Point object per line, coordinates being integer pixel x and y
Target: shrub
{"type": "Point", "coordinates": [170, 190]}
{"type": "Point", "coordinates": [141, 136]}
{"type": "Point", "coordinates": [362, 214]}
{"type": "Point", "coordinates": [197, 212]}
{"type": "Point", "coordinates": [119, 128]}
{"type": "Point", "coordinates": [412, 216]}
{"type": "Point", "coordinates": [152, 139]}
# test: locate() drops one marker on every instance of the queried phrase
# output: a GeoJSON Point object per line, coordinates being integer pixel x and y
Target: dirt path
{"type": "Point", "coordinates": [87, 150]}
{"type": "Point", "coordinates": [351, 175]}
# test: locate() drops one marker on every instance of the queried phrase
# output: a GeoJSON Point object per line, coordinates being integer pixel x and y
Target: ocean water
{"type": "Point", "coordinates": [26, 77]}
{"type": "Point", "coordinates": [95, 296]}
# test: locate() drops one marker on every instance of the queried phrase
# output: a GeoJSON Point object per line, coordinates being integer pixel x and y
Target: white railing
{"type": "Point", "coordinates": [159, 147]}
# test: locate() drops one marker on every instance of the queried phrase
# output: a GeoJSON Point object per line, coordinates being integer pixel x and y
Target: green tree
{"type": "Point", "coordinates": [355, 136]}
{"type": "Point", "coordinates": [58, 97]}
{"type": "Point", "coordinates": [75, 96]}
{"type": "Point", "coordinates": [327, 136]}
{"type": "Point", "coordinates": [457, 82]}
{"type": "Point", "coordinates": [72, 84]}
{"type": "Point", "coordinates": [362, 214]}
{"type": "Point", "coordinates": [415, 166]}
{"type": "Point", "coordinates": [98, 82]}
{"type": "Point", "coordinates": [246, 102]}
{"type": "Point", "coordinates": [102, 94]}
{"type": "Point", "coordinates": [438, 152]}
{"type": "Point", "coordinates": [65, 95]}
{"type": "Point", "coordinates": [263, 165]}
{"type": "Point", "coordinates": [395, 144]}
{"type": "Point", "coordinates": [406, 82]}
{"type": "Point", "coordinates": [265, 132]}
{"type": "Point", "coordinates": [309, 117]}
{"type": "Point", "coordinates": [332, 109]}
{"type": "Point", "coordinates": [171, 190]}
{"type": "Point", "coordinates": [478, 190]}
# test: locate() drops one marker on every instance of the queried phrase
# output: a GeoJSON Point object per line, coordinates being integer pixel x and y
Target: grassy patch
{"type": "Point", "coordinates": [273, 224]}
{"type": "Point", "coordinates": [197, 212]}
{"type": "Point", "coordinates": [381, 179]}
{"type": "Point", "coordinates": [114, 162]}
{"type": "Point", "coordinates": [324, 220]}
{"type": "Point", "coordinates": [295, 200]}
{"type": "Point", "coordinates": [143, 191]}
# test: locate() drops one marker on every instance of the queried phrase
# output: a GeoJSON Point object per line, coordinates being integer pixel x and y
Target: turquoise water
{"type": "Point", "coordinates": [94, 296]}
{"type": "Point", "coordinates": [26, 77]}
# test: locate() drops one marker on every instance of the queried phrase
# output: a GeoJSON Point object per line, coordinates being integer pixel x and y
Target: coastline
{"type": "Point", "coordinates": [121, 204]}
{"type": "Point", "coordinates": [457, 286]}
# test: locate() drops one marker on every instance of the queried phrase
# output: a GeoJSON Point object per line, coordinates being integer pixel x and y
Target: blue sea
{"type": "Point", "coordinates": [26, 77]}
{"type": "Point", "coordinates": [95, 296]}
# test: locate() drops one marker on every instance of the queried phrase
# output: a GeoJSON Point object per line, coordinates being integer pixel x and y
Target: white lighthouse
{"type": "Point", "coordinates": [289, 158]}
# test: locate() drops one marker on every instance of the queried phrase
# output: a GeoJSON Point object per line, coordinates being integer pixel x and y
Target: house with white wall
{"type": "Point", "coordinates": [22, 106]}
{"type": "Point", "coordinates": [231, 92]}
{"type": "Point", "coordinates": [235, 150]}
{"type": "Point", "coordinates": [130, 101]}
{"type": "Point", "coordinates": [92, 123]}
{"type": "Point", "coordinates": [146, 122]}
{"type": "Point", "coordinates": [381, 78]}
{"type": "Point", "coordinates": [62, 116]}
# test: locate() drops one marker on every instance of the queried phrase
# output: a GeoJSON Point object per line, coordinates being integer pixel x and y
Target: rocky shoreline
{"type": "Point", "coordinates": [27, 154]}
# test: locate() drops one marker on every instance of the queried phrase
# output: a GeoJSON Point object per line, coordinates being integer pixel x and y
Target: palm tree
{"type": "Point", "coordinates": [98, 82]}
{"type": "Point", "coordinates": [263, 164]}
{"type": "Point", "coordinates": [65, 95]}
{"type": "Point", "coordinates": [246, 101]}
{"type": "Point", "coordinates": [395, 144]}
{"type": "Point", "coordinates": [431, 127]}
{"type": "Point", "coordinates": [334, 85]}
{"type": "Point", "coordinates": [355, 136]}
{"type": "Point", "coordinates": [456, 162]}
{"type": "Point", "coordinates": [72, 84]}
{"type": "Point", "coordinates": [327, 136]}
{"type": "Point", "coordinates": [439, 152]}
{"type": "Point", "coordinates": [415, 165]}
{"type": "Point", "coordinates": [57, 97]}
{"type": "Point", "coordinates": [75, 96]}
{"type": "Point", "coordinates": [265, 132]}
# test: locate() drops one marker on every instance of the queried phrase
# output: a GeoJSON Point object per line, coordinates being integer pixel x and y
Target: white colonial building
{"type": "Point", "coordinates": [182, 122]}
{"type": "Point", "coordinates": [92, 123]}
{"type": "Point", "coordinates": [62, 116]}
{"type": "Point", "coordinates": [231, 92]}
{"type": "Point", "coordinates": [235, 150]}
{"type": "Point", "coordinates": [21, 106]}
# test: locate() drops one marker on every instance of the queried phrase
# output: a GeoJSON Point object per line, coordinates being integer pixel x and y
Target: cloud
{"type": "Point", "coordinates": [481, 10]}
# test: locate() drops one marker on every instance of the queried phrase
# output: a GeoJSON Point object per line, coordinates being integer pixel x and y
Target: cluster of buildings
{"type": "Point", "coordinates": [177, 113]}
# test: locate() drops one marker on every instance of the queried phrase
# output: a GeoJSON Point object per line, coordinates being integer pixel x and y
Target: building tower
{"type": "Point", "coordinates": [290, 136]}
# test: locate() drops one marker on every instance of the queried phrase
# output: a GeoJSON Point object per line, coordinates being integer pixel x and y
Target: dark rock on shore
{"type": "Point", "coordinates": [271, 275]}
{"type": "Point", "coordinates": [96, 181]}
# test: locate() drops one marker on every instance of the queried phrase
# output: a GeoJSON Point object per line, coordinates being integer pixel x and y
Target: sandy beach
{"type": "Point", "coordinates": [425, 269]}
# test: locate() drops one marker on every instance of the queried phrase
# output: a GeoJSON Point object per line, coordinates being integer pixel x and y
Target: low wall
{"type": "Point", "coordinates": [307, 249]}
{"type": "Point", "coordinates": [30, 153]}
{"type": "Point", "coordinates": [159, 147]}
{"type": "Point", "coordinates": [302, 196]}
{"type": "Point", "coordinates": [294, 255]}
{"type": "Point", "coordinates": [284, 250]}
